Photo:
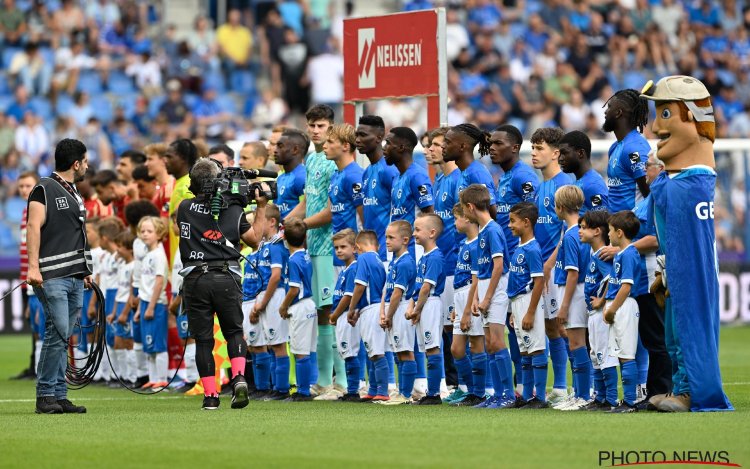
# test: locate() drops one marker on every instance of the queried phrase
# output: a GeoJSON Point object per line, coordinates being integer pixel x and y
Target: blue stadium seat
{"type": "Point", "coordinates": [191, 100]}
{"type": "Point", "coordinates": [634, 79]}
{"type": "Point", "coordinates": [249, 106]}
{"type": "Point", "coordinates": [227, 103]}
{"type": "Point", "coordinates": [154, 104]}
{"type": "Point", "coordinates": [242, 81]}
{"type": "Point", "coordinates": [120, 84]}
{"type": "Point", "coordinates": [90, 83]}
{"type": "Point", "coordinates": [48, 54]}
{"type": "Point", "coordinates": [102, 108]}
{"type": "Point", "coordinates": [215, 80]}
{"type": "Point", "coordinates": [64, 104]}
{"type": "Point", "coordinates": [41, 107]}
{"type": "Point", "coordinates": [8, 54]}
{"type": "Point", "coordinates": [5, 85]}
{"type": "Point", "coordinates": [6, 101]}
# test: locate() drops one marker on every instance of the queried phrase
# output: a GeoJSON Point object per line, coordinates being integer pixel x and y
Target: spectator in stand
{"type": "Point", "coordinates": [235, 43]}
{"type": "Point", "coordinates": [726, 107]}
{"type": "Point", "coordinates": [325, 75]}
{"type": "Point", "coordinates": [558, 88]}
{"type": "Point", "coordinates": [66, 20]}
{"type": "Point", "coordinates": [415, 5]}
{"type": "Point", "coordinates": [98, 146]}
{"type": "Point", "coordinates": [7, 133]}
{"type": "Point", "coordinates": [102, 12]}
{"type": "Point", "coordinates": [209, 115]}
{"type": "Point", "coordinates": [456, 35]}
{"type": "Point", "coordinates": [33, 143]}
{"type": "Point", "coordinates": [146, 71]}
{"type": "Point", "coordinates": [81, 111]}
{"type": "Point", "coordinates": [270, 110]}
{"type": "Point", "coordinates": [485, 16]}
{"type": "Point", "coordinates": [12, 24]}
{"type": "Point", "coordinates": [293, 14]}
{"type": "Point", "coordinates": [573, 115]}
{"type": "Point", "coordinates": [492, 109]}
{"type": "Point", "coordinates": [69, 61]}
{"type": "Point", "coordinates": [739, 127]}
{"type": "Point", "coordinates": [293, 61]}
{"type": "Point", "coordinates": [29, 68]}
{"type": "Point", "coordinates": [537, 34]}
{"type": "Point", "coordinates": [670, 14]}
{"type": "Point", "coordinates": [202, 41]}
{"type": "Point", "coordinates": [113, 39]}
{"type": "Point", "coordinates": [174, 109]}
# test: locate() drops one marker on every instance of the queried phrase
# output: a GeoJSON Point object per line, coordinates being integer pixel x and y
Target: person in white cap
{"type": "Point", "coordinates": [682, 210]}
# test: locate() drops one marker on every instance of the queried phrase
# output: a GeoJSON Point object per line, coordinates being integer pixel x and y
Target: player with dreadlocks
{"type": "Point", "coordinates": [626, 116]}
{"type": "Point", "coordinates": [458, 146]}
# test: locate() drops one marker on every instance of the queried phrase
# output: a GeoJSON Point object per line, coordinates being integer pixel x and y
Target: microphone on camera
{"type": "Point", "coordinates": [259, 173]}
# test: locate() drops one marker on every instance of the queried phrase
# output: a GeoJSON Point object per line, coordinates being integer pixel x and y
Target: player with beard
{"type": "Point", "coordinates": [290, 150]}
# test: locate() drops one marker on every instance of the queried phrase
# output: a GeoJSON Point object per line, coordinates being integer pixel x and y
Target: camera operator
{"type": "Point", "coordinates": [209, 249]}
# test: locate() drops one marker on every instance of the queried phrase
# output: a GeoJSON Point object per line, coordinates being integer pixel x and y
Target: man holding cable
{"type": "Point", "coordinates": [59, 260]}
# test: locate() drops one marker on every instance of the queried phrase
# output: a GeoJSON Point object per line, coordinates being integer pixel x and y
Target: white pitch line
{"type": "Point", "coordinates": [2, 401]}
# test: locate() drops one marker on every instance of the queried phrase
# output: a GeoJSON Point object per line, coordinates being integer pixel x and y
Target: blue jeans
{"type": "Point", "coordinates": [62, 300]}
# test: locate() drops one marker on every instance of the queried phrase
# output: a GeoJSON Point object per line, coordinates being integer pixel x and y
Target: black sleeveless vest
{"type": "Point", "coordinates": [63, 247]}
{"type": "Point", "coordinates": [200, 238]}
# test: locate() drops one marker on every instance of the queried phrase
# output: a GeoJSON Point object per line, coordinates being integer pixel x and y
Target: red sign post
{"type": "Point", "coordinates": [396, 56]}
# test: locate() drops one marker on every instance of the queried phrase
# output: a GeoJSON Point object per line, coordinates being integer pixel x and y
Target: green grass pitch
{"type": "Point", "coordinates": [125, 430]}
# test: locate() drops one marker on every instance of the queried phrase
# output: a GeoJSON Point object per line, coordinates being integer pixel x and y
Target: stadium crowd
{"type": "Point", "coordinates": [118, 75]}
{"type": "Point", "coordinates": [123, 79]}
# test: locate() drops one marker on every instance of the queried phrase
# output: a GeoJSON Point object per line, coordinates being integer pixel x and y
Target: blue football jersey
{"type": "Point", "coordinates": [626, 268]}
{"type": "Point", "coordinates": [272, 255]}
{"type": "Point", "coordinates": [444, 194]}
{"type": "Point", "coordinates": [518, 184]}
{"type": "Point", "coordinates": [345, 193]}
{"type": "Point", "coordinates": [627, 162]}
{"type": "Point", "coordinates": [525, 264]}
{"type": "Point", "coordinates": [345, 276]}
{"type": "Point", "coordinates": [402, 272]}
{"type": "Point", "coordinates": [595, 192]}
{"type": "Point", "coordinates": [299, 274]}
{"type": "Point", "coordinates": [548, 227]}
{"type": "Point", "coordinates": [289, 188]}
{"type": "Point", "coordinates": [377, 182]}
{"type": "Point", "coordinates": [648, 261]}
{"type": "Point", "coordinates": [251, 281]}
{"type": "Point", "coordinates": [571, 255]}
{"type": "Point", "coordinates": [477, 173]}
{"type": "Point", "coordinates": [491, 244]}
{"type": "Point", "coordinates": [430, 271]}
{"type": "Point", "coordinates": [597, 273]}
{"type": "Point", "coordinates": [371, 274]}
{"type": "Point", "coordinates": [411, 190]}
{"type": "Point", "coordinates": [466, 253]}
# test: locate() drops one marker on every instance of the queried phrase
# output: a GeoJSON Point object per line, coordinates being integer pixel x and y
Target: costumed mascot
{"type": "Point", "coordinates": [683, 212]}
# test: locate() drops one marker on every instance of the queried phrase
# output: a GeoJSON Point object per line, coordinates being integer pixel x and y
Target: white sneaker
{"type": "Point", "coordinates": [416, 394]}
{"type": "Point", "coordinates": [330, 395]}
{"type": "Point", "coordinates": [317, 390]}
{"type": "Point", "coordinates": [398, 399]}
{"type": "Point", "coordinates": [362, 391]}
{"type": "Point", "coordinates": [565, 403]}
{"type": "Point", "coordinates": [557, 396]}
{"type": "Point", "coordinates": [576, 404]}
{"type": "Point", "coordinates": [393, 393]}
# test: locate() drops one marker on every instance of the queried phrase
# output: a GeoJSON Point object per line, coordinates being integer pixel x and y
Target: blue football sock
{"type": "Point", "coordinates": [389, 356]}
{"type": "Point", "coordinates": [463, 367]}
{"type": "Point", "coordinates": [434, 374]}
{"type": "Point", "coordinates": [497, 382]}
{"type": "Point", "coordinates": [303, 373]}
{"type": "Point", "coordinates": [559, 356]}
{"type": "Point", "coordinates": [273, 369]}
{"type": "Point", "coordinates": [515, 353]}
{"type": "Point", "coordinates": [479, 374]}
{"type": "Point", "coordinates": [629, 371]}
{"type": "Point", "coordinates": [409, 374]}
{"type": "Point", "coordinates": [419, 357]}
{"type": "Point", "coordinates": [540, 363]}
{"type": "Point", "coordinates": [610, 384]}
{"type": "Point", "coordinates": [262, 365]}
{"type": "Point", "coordinates": [641, 358]}
{"type": "Point", "coordinates": [363, 361]}
{"type": "Point", "coordinates": [599, 387]}
{"type": "Point", "coordinates": [314, 368]}
{"type": "Point", "coordinates": [527, 377]}
{"type": "Point", "coordinates": [352, 374]}
{"type": "Point", "coordinates": [373, 388]}
{"type": "Point", "coordinates": [505, 370]}
{"type": "Point", "coordinates": [381, 376]}
{"type": "Point", "coordinates": [282, 374]}
{"type": "Point", "coordinates": [582, 372]}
